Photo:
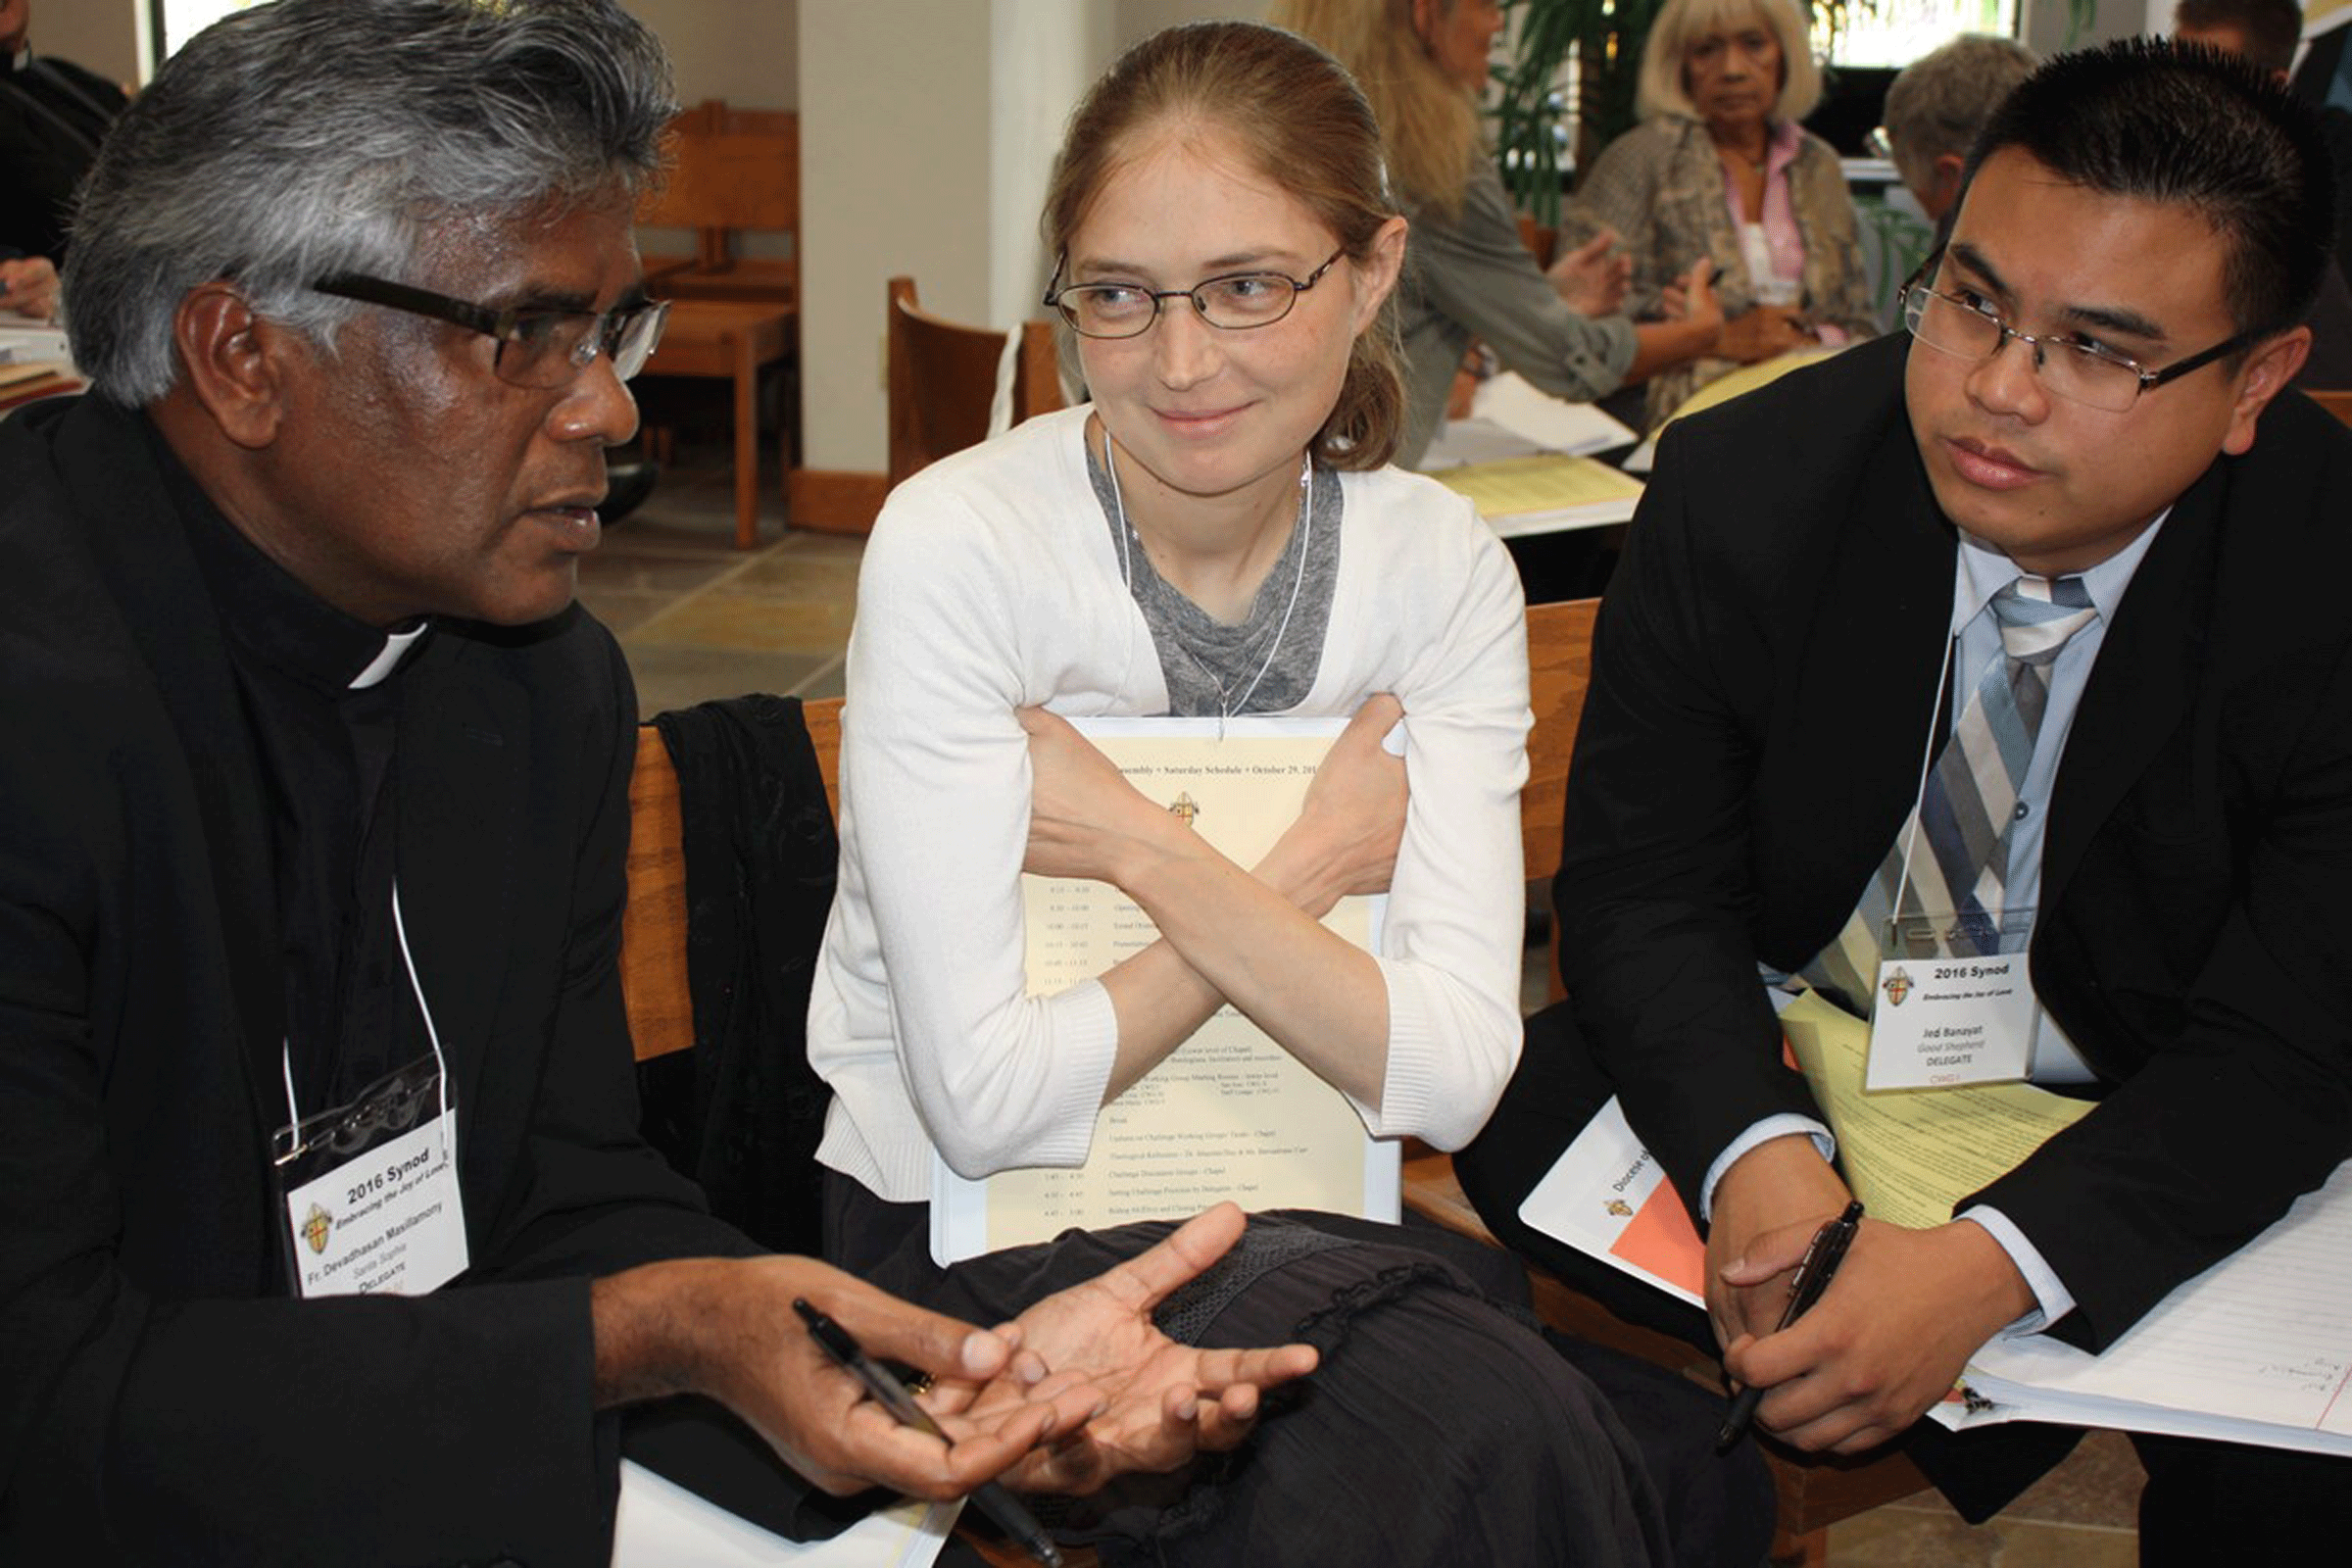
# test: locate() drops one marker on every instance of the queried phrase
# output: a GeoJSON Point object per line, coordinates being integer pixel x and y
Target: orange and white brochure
{"type": "Point", "coordinates": [1607, 1196]}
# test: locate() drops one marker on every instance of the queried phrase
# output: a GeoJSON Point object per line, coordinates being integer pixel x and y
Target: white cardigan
{"type": "Point", "coordinates": [992, 584]}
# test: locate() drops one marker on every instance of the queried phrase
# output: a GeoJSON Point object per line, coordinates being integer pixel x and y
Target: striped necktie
{"type": "Point", "coordinates": [1958, 834]}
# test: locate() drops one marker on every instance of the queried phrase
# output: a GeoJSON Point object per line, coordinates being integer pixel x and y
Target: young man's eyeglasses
{"type": "Point", "coordinates": [1235, 302]}
{"type": "Point", "coordinates": [1968, 326]}
{"type": "Point", "coordinates": [541, 347]}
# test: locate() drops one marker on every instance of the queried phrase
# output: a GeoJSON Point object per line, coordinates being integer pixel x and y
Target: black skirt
{"type": "Point", "coordinates": [1440, 1426]}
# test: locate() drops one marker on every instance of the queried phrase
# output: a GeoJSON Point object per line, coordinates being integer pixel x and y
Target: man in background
{"type": "Point", "coordinates": [2267, 33]}
{"type": "Point", "coordinates": [2264, 32]}
{"type": "Point", "coordinates": [53, 115]}
{"type": "Point", "coordinates": [1936, 105]}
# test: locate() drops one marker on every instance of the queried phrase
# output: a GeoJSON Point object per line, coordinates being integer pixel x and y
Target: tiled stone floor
{"type": "Point", "coordinates": [2080, 1515]}
{"type": "Point", "coordinates": [699, 619]}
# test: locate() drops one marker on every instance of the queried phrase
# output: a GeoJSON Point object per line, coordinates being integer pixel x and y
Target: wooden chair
{"type": "Point", "coordinates": [733, 171]}
{"type": "Point", "coordinates": [653, 927]}
{"type": "Point", "coordinates": [2338, 404]}
{"type": "Point", "coordinates": [943, 377]}
{"type": "Point", "coordinates": [1813, 1492]}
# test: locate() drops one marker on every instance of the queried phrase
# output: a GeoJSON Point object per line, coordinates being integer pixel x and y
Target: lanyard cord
{"type": "Point", "coordinates": [1927, 763]}
{"type": "Point", "coordinates": [432, 1035]}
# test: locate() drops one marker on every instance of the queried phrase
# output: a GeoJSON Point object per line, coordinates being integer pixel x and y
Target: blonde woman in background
{"type": "Point", "coordinates": [1720, 171]}
{"type": "Point", "coordinates": [1422, 64]}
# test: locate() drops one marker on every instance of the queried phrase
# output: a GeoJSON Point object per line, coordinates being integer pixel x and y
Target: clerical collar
{"type": "Point", "coordinates": [21, 59]}
{"type": "Point", "coordinates": [396, 648]}
{"type": "Point", "coordinates": [265, 610]}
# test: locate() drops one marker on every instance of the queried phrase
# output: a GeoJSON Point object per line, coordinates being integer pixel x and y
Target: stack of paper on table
{"type": "Point", "coordinates": [1509, 417]}
{"type": "Point", "coordinates": [1520, 496]}
{"type": "Point", "coordinates": [1522, 458]}
{"type": "Point", "coordinates": [1228, 1115]}
{"type": "Point", "coordinates": [23, 338]}
{"type": "Point", "coordinates": [2258, 1348]}
{"type": "Point", "coordinates": [28, 381]}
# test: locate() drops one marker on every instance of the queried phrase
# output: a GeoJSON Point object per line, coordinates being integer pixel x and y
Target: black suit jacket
{"type": "Point", "coordinates": [160, 1397]}
{"type": "Point", "coordinates": [1765, 672]}
{"type": "Point", "coordinates": [52, 116]}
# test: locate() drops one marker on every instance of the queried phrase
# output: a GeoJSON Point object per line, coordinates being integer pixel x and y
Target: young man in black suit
{"type": "Point", "coordinates": [2090, 391]}
{"type": "Point", "coordinates": [326, 1232]}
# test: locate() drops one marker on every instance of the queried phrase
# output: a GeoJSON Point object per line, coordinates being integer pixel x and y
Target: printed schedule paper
{"type": "Point", "coordinates": [2258, 1348]}
{"type": "Point", "coordinates": [1519, 496]}
{"type": "Point", "coordinates": [1229, 1113]}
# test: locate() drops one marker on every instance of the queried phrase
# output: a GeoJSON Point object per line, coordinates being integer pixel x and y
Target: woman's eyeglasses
{"type": "Point", "coordinates": [1233, 303]}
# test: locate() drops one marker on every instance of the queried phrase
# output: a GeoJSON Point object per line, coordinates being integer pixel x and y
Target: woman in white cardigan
{"type": "Point", "coordinates": [1217, 534]}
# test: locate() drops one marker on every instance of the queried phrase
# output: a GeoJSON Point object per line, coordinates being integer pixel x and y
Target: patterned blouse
{"type": "Point", "coordinates": [1661, 187]}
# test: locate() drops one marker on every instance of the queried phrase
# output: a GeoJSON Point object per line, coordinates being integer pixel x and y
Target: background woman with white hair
{"type": "Point", "coordinates": [1720, 169]}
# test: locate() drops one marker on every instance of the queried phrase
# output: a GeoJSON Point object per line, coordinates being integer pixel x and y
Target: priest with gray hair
{"type": "Point", "coordinates": [326, 1230]}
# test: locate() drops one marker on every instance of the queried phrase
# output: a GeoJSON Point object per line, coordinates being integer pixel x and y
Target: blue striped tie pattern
{"type": "Point", "coordinates": [1969, 804]}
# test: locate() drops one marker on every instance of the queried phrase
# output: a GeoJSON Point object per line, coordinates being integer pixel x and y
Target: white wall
{"type": "Point", "coordinates": [2042, 24]}
{"type": "Point", "coordinates": [895, 178]}
{"type": "Point", "coordinates": [101, 36]}
{"type": "Point", "coordinates": [1044, 54]}
{"type": "Point", "coordinates": [1137, 20]}
{"type": "Point", "coordinates": [929, 128]}
{"type": "Point", "coordinates": [745, 51]}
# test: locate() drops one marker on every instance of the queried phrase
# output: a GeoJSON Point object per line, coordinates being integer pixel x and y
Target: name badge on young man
{"type": "Point", "coordinates": [1939, 1017]}
{"type": "Point", "coordinates": [370, 1189]}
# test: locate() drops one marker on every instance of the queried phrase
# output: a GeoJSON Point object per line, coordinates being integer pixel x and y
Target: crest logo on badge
{"type": "Point", "coordinates": [1896, 985]}
{"type": "Point", "coordinates": [315, 1227]}
{"type": "Point", "coordinates": [1619, 1208]}
{"type": "Point", "coordinates": [1184, 808]}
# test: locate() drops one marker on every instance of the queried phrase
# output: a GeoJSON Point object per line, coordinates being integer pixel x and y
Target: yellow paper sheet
{"type": "Point", "coordinates": [1516, 486]}
{"type": "Point", "coordinates": [1909, 1155]}
{"type": "Point", "coordinates": [1747, 378]}
{"type": "Point", "coordinates": [14, 372]}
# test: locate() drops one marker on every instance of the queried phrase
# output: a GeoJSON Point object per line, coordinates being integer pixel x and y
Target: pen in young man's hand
{"type": "Point", "coordinates": [1814, 1271]}
{"type": "Point", "coordinates": [893, 1396]}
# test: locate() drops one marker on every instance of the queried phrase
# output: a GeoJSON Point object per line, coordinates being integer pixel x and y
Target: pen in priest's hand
{"type": "Point", "coordinates": [893, 1396]}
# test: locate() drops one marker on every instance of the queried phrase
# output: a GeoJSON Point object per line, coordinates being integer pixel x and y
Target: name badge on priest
{"type": "Point", "coordinates": [371, 1191]}
{"type": "Point", "coordinates": [1943, 1016]}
